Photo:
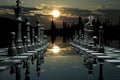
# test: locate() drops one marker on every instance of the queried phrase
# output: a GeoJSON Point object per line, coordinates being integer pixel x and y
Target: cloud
{"type": "Point", "coordinates": [67, 13]}
{"type": "Point", "coordinates": [76, 11]}
{"type": "Point", "coordinates": [100, 7]}
{"type": "Point", "coordinates": [6, 10]}
{"type": "Point", "coordinates": [45, 10]}
{"type": "Point", "coordinates": [110, 12]}
{"type": "Point", "coordinates": [114, 2]}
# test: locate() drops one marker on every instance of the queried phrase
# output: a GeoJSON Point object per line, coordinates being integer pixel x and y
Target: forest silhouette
{"type": "Point", "coordinates": [67, 32]}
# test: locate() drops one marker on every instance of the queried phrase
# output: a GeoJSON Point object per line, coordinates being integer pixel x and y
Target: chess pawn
{"type": "Point", "coordinates": [12, 51]}
{"type": "Point", "coordinates": [36, 43]}
{"type": "Point", "coordinates": [95, 42]}
{"type": "Point", "coordinates": [25, 46]}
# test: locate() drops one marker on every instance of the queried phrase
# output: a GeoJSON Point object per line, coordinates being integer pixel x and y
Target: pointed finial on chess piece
{"type": "Point", "coordinates": [18, 9]}
{"type": "Point", "coordinates": [90, 18]}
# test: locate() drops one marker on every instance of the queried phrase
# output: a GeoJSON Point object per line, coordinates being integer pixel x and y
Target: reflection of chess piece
{"type": "Point", "coordinates": [27, 67]}
{"type": "Point", "coordinates": [90, 71]}
{"type": "Point", "coordinates": [90, 68]}
{"type": "Point", "coordinates": [24, 64]}
{"type": "Point", "coordinates": [27, 76]}
{"type": "Point", "coordinates": [18, 71]}
{"type": "Point", "coordinates": [100, 72]}
{"type": "Point", "coordinates": [42, 57]}
{"type": "Point", "coordinates": [38, 60]}
{"type": "Point", "coordinates": [90, 74]}
{"type": "Point", "coordinates": [27, 72]}
{"type": "Point", "coordinates": [12, 70]}
{"type": "Point", "coordinates": [32, 60]}
{"type": "Point", "coordinates": [84, 60]}
{"type": "Point", "coordinates": [94, 62]}
{"type": "Point", "coordinates": [38, 69]}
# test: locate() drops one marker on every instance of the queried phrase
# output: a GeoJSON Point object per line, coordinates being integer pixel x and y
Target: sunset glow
{"type": "Point", "coordinates": [55, 13]}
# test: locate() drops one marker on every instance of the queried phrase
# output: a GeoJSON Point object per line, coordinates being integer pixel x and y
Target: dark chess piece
{"type": "Point", "coordinates": [38, 32]}
{"type": "Point", "coordinates": [36, 43]}
{"type": "Point", "coordinates": [94, 48]}
{"type": "Point", "coordinates": [12, 51]}
{"type": "Point", "coordinates": [25, 46]}
{"type": "Point", "coordinates": [28, 41]}
{"type": "Point", "coordinates": [33, 36]}
{"type": "Point", "coordinates": [101, 47]}
{"type": "Point", "coordinates": [18, 12]}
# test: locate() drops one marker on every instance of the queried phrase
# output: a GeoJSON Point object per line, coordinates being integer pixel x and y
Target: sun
{"type": "Point", "coordinates": [55, 13]}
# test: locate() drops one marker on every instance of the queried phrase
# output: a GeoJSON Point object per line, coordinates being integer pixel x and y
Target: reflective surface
{"type": "Point", "coordinates": [66, 65]}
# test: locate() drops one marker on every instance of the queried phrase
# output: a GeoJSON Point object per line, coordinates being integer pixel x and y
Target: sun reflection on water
{"type": "Point", "coordinates": [56, 49]}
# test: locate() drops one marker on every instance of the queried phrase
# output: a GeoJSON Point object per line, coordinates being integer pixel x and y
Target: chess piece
{"type": "Point", "coordinates": [101, 47]}
{"type": "Point", "coordinates": [18, 11]}
{"type": "Point", "coordinates": [12, 51]}
{"type": "Point", "coordinates": [28, 41]}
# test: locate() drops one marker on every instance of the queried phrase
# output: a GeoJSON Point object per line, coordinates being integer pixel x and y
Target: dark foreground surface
{"type": "Point", "coordinates": [66, 65]}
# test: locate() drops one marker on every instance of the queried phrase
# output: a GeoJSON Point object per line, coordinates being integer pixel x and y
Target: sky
{"type": "Point", "coordinates": [70, 9]}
